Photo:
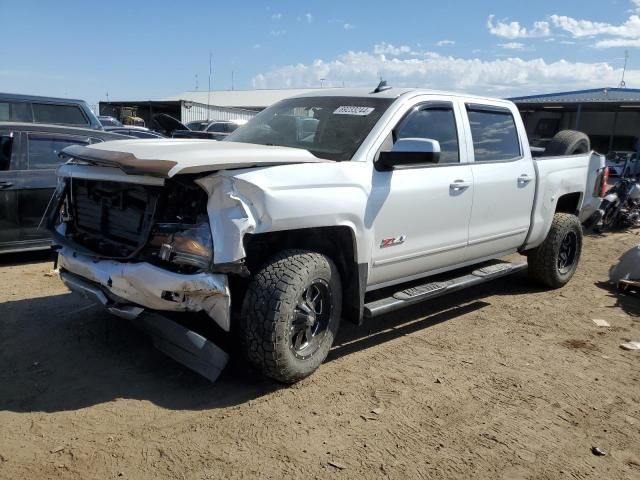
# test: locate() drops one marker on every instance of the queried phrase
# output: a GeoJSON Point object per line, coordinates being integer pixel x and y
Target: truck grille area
{"type": "Point", "coordinates": [112, 219]}
{"type": "Point", "coordinates": [120, 220]}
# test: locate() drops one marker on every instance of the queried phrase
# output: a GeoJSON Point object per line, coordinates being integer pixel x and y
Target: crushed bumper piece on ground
{"type": "Point", "coordinates": [185, 346]}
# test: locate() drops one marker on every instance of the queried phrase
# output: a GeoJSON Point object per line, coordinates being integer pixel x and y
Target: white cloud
{"type": "Point", "coordinates": [309, 17]}
{"type": "Point", "coordinates": [587, 28]}
{"type": "Point", "coordinates": [388, 49]}
{"type": "Point", "coordinates": [442, 43]}
{"type": "Point", "coordinates": [348, 26]}
{"type": "Point", "coordinates": [499, 77]}
{"type": "Point", "coordinates": [626, 34]}
{"type": "Point", "coordinates": [618, 43]}
{"type": "Point", "coordinates": [512, 45]}
{"type": "Point", "coordinates": [276, 16]}
{"type": "Point", "coordinates": [277, 33]}
{"type": "Point", "coordinates": [513, 30]}
{"type": "Point", "coordinates": [257, 46]}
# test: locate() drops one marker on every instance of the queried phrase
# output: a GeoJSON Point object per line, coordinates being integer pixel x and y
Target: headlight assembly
{"type": "Point", "coordinates": [183, 244]}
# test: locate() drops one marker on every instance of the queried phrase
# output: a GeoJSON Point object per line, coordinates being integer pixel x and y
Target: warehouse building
{"type": "Point", "coordinates": [255, 100]}
{"type": "Point", "coordinates": [184, 110]}
{"type": "Point", "coordinates": [201, 105]}
{"type": "Point", "coordinates": [610, 116]}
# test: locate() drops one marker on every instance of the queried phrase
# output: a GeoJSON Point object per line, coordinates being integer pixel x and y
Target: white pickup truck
{"type": "Point", "coordinates": [336, 204]}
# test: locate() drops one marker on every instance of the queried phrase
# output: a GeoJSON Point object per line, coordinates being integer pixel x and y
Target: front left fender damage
{"type": "Point", "coordinates": [230, 216]}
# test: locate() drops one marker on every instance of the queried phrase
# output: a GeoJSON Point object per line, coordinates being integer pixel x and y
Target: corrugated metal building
{"type": "Point", "coordinates": [184, 110]}
{"type": "Point", "coordinates": [610, 116]}
{"type": "Point", "coordinates": [202, 105]}
{"type": "Point", "coordinates": [244, 99]}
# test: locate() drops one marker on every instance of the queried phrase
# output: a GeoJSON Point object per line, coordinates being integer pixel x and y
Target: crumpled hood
{"type": "Point", "coordinates": [168, 157]}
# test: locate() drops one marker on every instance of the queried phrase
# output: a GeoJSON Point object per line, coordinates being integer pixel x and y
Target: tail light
{"type": "Point", "coordinates": [604, 182]}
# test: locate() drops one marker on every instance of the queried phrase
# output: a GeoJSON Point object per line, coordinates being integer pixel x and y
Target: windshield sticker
{"type": "Point", "coordinates": [347, 110]}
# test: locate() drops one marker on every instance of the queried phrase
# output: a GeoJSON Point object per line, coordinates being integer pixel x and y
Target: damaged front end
{"type": "Point", "coordinates": [143, 246]}
{"type": "Point", "coordinates": [140, 249]}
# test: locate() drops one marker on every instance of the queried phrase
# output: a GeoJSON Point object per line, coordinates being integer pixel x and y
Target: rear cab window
{"type": "Point", "coordinates": [494, 133]}
{"type": "Point", "coordinates": [60, 114]}
{"type": "Point", "coordinates": [44, 149]}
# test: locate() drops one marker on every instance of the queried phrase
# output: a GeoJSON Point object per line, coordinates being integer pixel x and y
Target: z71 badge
{"type": "Point", "coordinates": [393, 241]}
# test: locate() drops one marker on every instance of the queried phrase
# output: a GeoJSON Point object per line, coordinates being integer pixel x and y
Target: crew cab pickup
{"type": "Point", "coordinates": [330, 205]}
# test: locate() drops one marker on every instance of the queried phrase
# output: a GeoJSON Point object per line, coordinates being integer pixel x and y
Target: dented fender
{"type": "Point", "coordinates": [231, 216]}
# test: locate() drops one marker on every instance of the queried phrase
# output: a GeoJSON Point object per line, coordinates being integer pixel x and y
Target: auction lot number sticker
{"type": "Point", "coordinates": [353, 110]}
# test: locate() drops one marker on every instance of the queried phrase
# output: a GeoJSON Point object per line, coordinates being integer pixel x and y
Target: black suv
{"type": "Point", "coordinates": [57, 111]}
{"type": "Point", "coordinates": [28, 161]}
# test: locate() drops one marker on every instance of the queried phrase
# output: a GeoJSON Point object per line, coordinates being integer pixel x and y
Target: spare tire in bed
{"type": "Point", "coordinates": [568, 142]}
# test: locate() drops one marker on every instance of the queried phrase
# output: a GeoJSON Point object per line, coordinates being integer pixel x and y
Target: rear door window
{"type": "Point", "coordinates": [44, 149]}
{"type": "Point", "coordinates": [494, 134]}
{"type": "Point", "coordinates": [63, 114]}
{"type": "Point", "coordinates": [15, 112]}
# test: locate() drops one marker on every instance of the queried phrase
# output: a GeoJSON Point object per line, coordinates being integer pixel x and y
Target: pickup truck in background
{"type": "Point", "coordinates": [381, 200]}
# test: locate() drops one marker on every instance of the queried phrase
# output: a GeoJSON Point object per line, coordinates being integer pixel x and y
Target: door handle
{"type": "Point", "coordinates": [459, 185]}
{"type": "Point", "coordinates": [524, 179]}
{"type": "Point", "coordinates": [5, 185]}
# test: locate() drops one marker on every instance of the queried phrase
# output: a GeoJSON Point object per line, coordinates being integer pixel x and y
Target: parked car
{"type": "Point", "coordinates": [217, 128]}
{"type": "Point", "coordinates": [28, 162]}
{"type": "Point", "coordinates": [198, 125]}
{"type": "Point", "coordinates": [108, 121]}
{"type": "Point", "coordinates": [168, 125]}
{"type": "Point", "coordinates": [137, 132]}
{"type": "Point", "coordinates": [49, 110]}
{"type": "Point", "coordinates": [299, 224]}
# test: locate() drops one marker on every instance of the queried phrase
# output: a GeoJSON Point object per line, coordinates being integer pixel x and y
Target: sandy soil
{"type": "Point", "coordinates": [505, 382]}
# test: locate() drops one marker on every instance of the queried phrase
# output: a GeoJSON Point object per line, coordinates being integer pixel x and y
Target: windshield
{"type": "Point", "coordinates": [329, 127]}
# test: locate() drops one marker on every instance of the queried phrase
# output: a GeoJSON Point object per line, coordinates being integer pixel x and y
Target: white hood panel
{"type": "Point", "coordinates": [196, 156]}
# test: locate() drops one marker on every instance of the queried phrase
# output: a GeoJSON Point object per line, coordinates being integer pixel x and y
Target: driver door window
{"type": "Point", "coordinates": [435, 123]}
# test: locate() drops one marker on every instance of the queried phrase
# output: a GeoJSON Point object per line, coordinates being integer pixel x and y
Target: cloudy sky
{"type": "Point", "coordinates": [148, 50]}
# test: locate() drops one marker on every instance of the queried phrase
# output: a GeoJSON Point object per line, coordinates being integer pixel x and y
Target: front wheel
{"type": "Point", "coordinates": [290, 314]}
{"type": "Point", "coordinates": [554, 262]}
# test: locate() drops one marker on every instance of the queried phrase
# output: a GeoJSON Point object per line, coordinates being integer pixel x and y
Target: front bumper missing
{"type": "Point", "coordinates": [146, 285]}
{"type": "Point", "coordinates": [183, 345]}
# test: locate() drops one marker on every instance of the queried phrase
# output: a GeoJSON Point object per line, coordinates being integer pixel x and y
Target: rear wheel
{"type": "Point", "coordinates": [290, 314]}
{"type": "Point", "coordinates": [555, 261]}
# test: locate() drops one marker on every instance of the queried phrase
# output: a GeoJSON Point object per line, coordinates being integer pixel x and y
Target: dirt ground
{"type": "Point", "coordinates": [508, 381]}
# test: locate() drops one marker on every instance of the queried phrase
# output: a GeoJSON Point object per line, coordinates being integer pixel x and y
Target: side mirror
{"type": "Point", "coordinates": [410, 151]}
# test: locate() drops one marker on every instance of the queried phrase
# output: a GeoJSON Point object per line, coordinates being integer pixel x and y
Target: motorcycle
{"type": "Point", "coordinates": [620, 208]}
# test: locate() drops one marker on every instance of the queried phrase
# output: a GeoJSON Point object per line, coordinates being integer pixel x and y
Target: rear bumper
{"type": "Point", "coordinates": [126, 288]}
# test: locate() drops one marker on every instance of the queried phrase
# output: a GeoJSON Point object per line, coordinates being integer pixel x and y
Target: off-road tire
{"type": "Point", "coordinates": [568, 142]}
{"type": "Point", "coordinates": [268, 311]}
{"type": "Point", "coordinates": [544, 260]}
